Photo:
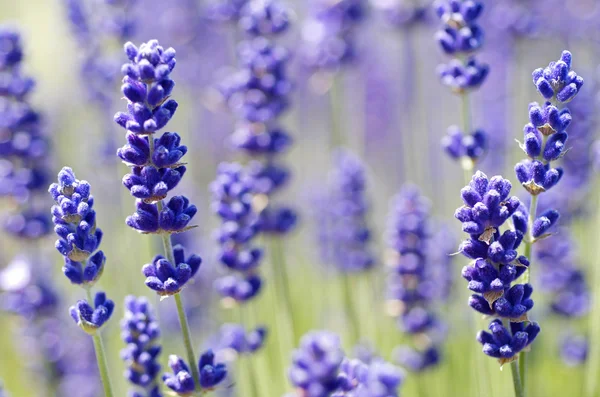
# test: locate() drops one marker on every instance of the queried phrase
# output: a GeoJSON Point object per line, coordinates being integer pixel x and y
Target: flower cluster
{"type": "Point", "coordinates": [233, 198]}
{"type": "Point", "coordinates": [496, 264]}
{"type": "Point", "coordinates": [320, 369]}
{"type": "Point", "coordinates": [92, 318]}
{"type": "Point", "coordinates": [258, 94]}
{"type": "Point", "coordinates": [168, 278]}
{"type": "Point", "coordinates": [74, 218]}
{"type": "Point", "coordinates": [23, 146]}
{"type": "Point", "coordinates": [181, 381]}
{"type": "Point", "coordinates": [141, 333]}
{"type": "Point", "coordinates": [78, 241]}
{"type": "Point", "coordinates": [349, 235]}
{"type": "Point", "coordinates": [235, 337]}
{"type": "Point", "coordinates": [412, 283]}
{"type": "Point", "coordinates": [328, 34]}
{"type": "Point", "coordinates": [155, 163]}
{"type": "Point", "coordinates": [461, 36]}
{"type": "Point", "coordinates": [545, 135]}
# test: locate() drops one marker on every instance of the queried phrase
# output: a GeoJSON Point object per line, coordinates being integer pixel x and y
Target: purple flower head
{"type": "Point", "coordinates": [169, 278]}
{"type": "Point", "coordinates": [325, 46]}
{"type": "Point", "coordinates": [260, 140]}
{"type": "Point", "coordinates": [11, 49]}
{"type": "Point", "coordinates": [484, 278]}
{"type": "Point", "coordinates": [381, 379]}
{"type": "Point", "coordinates": [264, 18]}
{"type": "Point", "coordinates": [536, 177]}
{"type": "Point", "coordinates": [351, 236]}
{"type": "Point", "coordinates": [460, 146]}
{"type": "Point", "coordinates": [235, 337]}
{"type": "Point", "coordinates": [557, 80]}
{"type": "Point", "coordinates": [181, 381]}
{"type": "Point", "coordinates": [173, 218]}
{"type": "Point", "coordinates": [240, 288]}
{"type": "Point", "coordinates": [87, 272]}
{"type": "Point", "coordinates": [259, 90]}
{"type": "Point", "coordinates": [460, 32]}
{"type": "Point", "coordinates": [504, 344]}
{"type": "Point", "coordinates": [549, 119]}
{"type": "Point", "coordinates": [28, 224]}
{"type": "Point", "coordinates": [316, 364]}
{"type": "Point", "coordinates": [267, 177]}
{"type": "Point", "coordinates": [278, 221]}
{"type": "Point", "coordinates": [75, 222]}
{"type": "Point", "coordinates": [147, 86]}
{"type": "Point", "coordinates": [152, 184]}
{"type": "Point", "coordinates": [91, 319]}
{"type": "Point", "coordinates": [417, 360]}
{"type": "Point", "coordinates": [168, 151]}
{"type": "Point", "coordinates": [574, 349]}
{"type": "Point", "coordinates": [462, 77]}
{"type": "Point", "coordinates": [140, 332]}
{"type": "Point", "coordinates": [544, 222]}
{"type": "Point", "coordinates": [233, 195]}
{"type": "Point", "coordinates": [487, 204]}
{"type": "Point", "coordinates": [514, 304]}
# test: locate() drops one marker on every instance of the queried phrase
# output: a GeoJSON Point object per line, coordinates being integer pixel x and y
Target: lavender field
{"type": "Point", "coordinates": [299, 198]}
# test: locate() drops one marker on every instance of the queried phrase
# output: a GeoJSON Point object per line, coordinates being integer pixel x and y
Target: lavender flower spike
{"type": "Point", "coordinates": [315, 365]}
{"type": "Point", "coordinates": [75, 224]}
{"type": "Point", "coordinates": [141, 333]}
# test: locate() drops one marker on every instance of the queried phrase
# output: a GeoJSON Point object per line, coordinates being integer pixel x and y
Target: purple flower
{"type": "Point", "coordinates": [460, 146]}
{"type": "Point", "coordinates": [461, 77]}
{"type": "Point", "coordinates": [264, 17]}
{"type": "Point", "coordinates": [487, 204]}
{"type": "Point", "coordinates": [316, 364]}
{"type": "Point", "coordinates": [504, 344]}
{"type": "Point", "coordinates": [141, 333]}
{"type": "Point", "coordinates": [557, 80]}
{"type": "Point", "coordinates": [460, 32]}
{"type": "Point", "coordinates": [181, 382]}
{"type": "Point", "coordinates": [536, 177]}
{"type": "Point", "coordinates": [169, 278]}
{"type": "Point", "coordinates": [91, 319]}
{"type": "Point", "coordinates": [173, 218]}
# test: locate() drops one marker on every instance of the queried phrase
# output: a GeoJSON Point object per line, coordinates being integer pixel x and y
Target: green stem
{"type": "Point", "coordinates": [528, 253]}
{"type": "Point", "coordinates": [354, 324]}
{"type": "Point", "coordinates": [517, 384]}
{"type": "Point", "coordinates": [101, 356]}
{"type": "Point", "coordinates": [335, 95]}
{"type": "Point", "coordinates": [187, 339]}
{"type": "Point", "coordinates": [282, 284]}
{"type": "Point", "coordinates": [593, 366]}
{"type": "Point", "coordinates": [185, 328]}
{"type": "Point", "coordinates": [245, 360]}
{"type": "Point", "coordinates": [466, 163]}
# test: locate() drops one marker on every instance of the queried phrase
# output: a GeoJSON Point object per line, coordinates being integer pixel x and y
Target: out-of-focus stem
{"type": "Point", "coordinates": [518, 386]}
{"type": "Point", "coordinates": [467, 164]}
{"type": "Point", "coordinates": [335, 103]}
{"type": "Point", "coordinates": [354, 324]}
{"type": "Point", "coordinates": [593, 365]}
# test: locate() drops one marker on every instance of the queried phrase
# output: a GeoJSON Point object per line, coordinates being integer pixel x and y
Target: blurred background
{"type": "Point", "coordinates": [390, 109]}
